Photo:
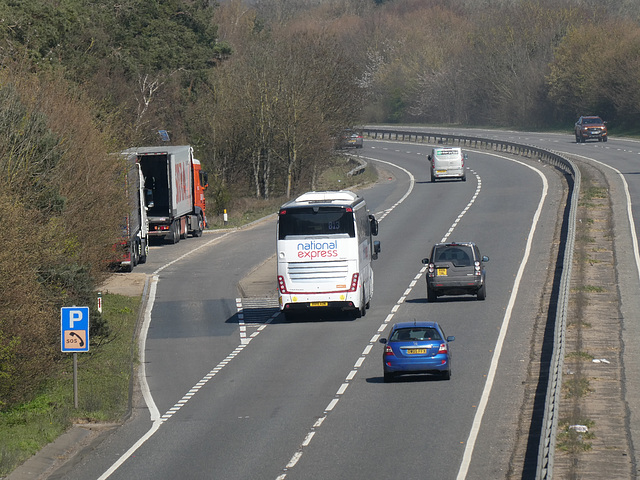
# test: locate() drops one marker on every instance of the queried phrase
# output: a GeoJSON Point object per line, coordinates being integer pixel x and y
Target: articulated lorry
{"type": "Point", "coordinates": [175, 184]}
{"type": "Point", "coordinates": [134, 245]}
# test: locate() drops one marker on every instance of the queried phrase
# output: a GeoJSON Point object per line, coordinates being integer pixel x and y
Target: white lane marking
{"type": "Point", "coordinates": [308, 439]}
{"type": "Point", "coordinates": [412, 182]}
{"type": "Point", "coordinates": [156, 419]}
{"type": "Point", "coordinates": [488, 386]}
{"type": "Point", "coordinates": [632, 225]}
{"type": "Point", "coordinates": [296, 457]}
{"type": "Point", "coordinates": [144, 386]}
{"type": "Point", "coordinates": [470, 444]}
{"type": "Point", "coordinates": [332, 404]}
{"type": "Point", "coordinates": [190, 252]}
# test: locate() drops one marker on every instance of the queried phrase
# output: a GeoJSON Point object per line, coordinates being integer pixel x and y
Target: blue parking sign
{"type": "Point", "coordinates": [74, 323]}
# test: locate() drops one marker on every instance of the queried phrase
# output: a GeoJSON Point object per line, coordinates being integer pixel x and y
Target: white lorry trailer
{"type": "Point", "coordinates": [175, 183]}
{"type": "Point", "coordinates": [134, 245]}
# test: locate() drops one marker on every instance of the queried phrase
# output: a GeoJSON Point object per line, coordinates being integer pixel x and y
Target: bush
{"type": "Point", "coordinates": [56, 177]}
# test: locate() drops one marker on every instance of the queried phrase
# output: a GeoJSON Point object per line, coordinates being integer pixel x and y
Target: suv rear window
{"type": "Point", "coordinates": [458, 255]}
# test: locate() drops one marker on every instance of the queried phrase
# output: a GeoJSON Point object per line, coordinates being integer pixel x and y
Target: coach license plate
{"type": "Point", "coordinates": [414, 351]}
{"type": "Point", "coordinates": [319, 304]}
{"type": "Point", "coordinates": [442, 272]}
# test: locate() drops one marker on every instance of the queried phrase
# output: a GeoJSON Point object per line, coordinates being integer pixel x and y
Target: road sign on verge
{"type": "Point", "coordinates": [74, 323]}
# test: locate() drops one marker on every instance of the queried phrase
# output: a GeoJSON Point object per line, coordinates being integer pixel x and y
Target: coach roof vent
{"type": "Point", "coordinates": [315, 197]}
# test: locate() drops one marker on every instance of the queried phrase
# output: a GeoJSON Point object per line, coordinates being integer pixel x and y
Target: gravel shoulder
{"type": "Point", "coordinates": [129, 284]}
{"type": "Point", "coordinates": [599, 407]}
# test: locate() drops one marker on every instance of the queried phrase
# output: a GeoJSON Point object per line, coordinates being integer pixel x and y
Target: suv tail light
{"type": "Point", "coordinates": [477, 268]}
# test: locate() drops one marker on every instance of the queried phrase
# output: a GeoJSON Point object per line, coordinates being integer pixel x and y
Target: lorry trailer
{"type": "Point", "coordinates": [175, 184]}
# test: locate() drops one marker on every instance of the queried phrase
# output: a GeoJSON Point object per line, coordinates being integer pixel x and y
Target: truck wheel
{"type": "Point", "coordinates": [183, 235]}
{"type": "Point", "coordinates": [135, 253]}
{"type": "Point", "coordinates": [133, 256]}
{"type": "Point", "coordinates": [174, 233]}
{"type": "Point", "coordinates": [198, 231]}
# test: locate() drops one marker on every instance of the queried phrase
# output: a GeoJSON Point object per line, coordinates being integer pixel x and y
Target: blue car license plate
{"type": "Point", "coordinates": [415, 351]}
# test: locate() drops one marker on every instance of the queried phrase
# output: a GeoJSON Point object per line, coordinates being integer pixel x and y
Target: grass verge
{"type": "Point", "coordinates": [104, 375]}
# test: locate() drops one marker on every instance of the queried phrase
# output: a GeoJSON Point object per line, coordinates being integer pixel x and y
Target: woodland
{"type": "Point", "coordinates": [261, 89]}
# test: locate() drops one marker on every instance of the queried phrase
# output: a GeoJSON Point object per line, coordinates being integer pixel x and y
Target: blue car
{"type": "Point", "coordinates": [416, 347]}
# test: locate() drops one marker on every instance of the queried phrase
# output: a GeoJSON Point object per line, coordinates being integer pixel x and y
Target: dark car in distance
{"type": "Point", "coordinates": [588, 127]}
{"type": "Point", "coordinates": [455, 268]}
{"type": "Point", "coordinates": [351, 139]}
{"type": "Point", "coordinates": [416, 348]}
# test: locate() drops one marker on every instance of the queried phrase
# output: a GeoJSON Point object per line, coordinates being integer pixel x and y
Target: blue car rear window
{"type": "Point", "coordinates": [415, 334]}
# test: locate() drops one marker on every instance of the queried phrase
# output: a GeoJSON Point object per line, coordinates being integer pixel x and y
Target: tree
{"type": "Point", "coordinates": [601, 79]}
{"type": "Point", "coordinates": [56, 179]}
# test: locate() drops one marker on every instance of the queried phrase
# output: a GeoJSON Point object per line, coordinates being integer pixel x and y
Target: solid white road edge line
{"type": "Point", "coordinates": [484, 399]}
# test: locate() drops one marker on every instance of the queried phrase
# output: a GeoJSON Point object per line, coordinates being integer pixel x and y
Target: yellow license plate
{"type": "Point", "coordinates": [441, 171]}
{"type": "Point", "coordinates": [413, 351]}
{"type": "Point", "coordinates": [319, 304]}
{"type": "Point", "coordinates": [442, 272]}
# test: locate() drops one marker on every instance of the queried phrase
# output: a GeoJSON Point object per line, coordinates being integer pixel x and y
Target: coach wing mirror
{"type": "Point", "coordinates": [376, 250]}
{"type": "Point", "coordinates": [374, 225]}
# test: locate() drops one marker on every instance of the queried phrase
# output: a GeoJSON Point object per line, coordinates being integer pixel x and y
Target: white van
{"type": "Point", "coordinates": [447, 162]}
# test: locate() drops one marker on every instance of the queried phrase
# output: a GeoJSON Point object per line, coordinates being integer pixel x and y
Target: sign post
{"type": "Point", "coordinates": [74, 328]}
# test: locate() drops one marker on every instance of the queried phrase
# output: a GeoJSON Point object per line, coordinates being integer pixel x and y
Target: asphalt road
{"type": "Point", "coordinates": [235, 392]}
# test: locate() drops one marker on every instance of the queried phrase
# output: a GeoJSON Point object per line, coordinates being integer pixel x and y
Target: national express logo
{"type": "Point", "coordinates": [313, 249]}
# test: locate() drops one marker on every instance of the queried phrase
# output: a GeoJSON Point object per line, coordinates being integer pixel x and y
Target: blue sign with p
{"type": "Point", "coordinates": [74, 322]}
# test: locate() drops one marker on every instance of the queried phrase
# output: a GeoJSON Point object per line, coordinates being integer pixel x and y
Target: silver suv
{"type": "Point", "coordinates": [455, 269]}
